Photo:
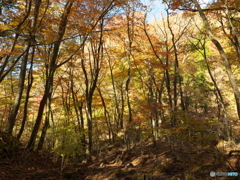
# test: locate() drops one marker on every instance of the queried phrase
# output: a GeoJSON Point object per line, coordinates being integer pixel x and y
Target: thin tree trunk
{"type": "Point", "coordinates": [177, 77]}
{"type": "Point", "coordinates": [83, 137]}
{"type": "Point", "coordinates": [130, 33]}
{"type": "Point", "coordinates": [17, 101]}
{"type": "Point", "coordinates": [107, 119]}
{"type": "Point", "coordinates": [75, 102]}
{"type": "Point", "coordinates": [119, 120]}
{"type": "Point", "coordinates": [128, 98]}
{"type": "Point", "coordinates": [91, 83]}
{"type": "Point", "coordinates": [30, 82]}
{"type": "Point", "coordinates": [122, 105]}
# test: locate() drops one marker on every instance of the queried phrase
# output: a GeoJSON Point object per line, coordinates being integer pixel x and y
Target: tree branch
{"type": "Point", "coordinates": [211, 9]}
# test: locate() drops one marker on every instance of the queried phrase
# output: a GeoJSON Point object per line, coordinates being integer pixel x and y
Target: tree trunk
{"type": "Point", "coordinates": [25, 113]}
{"type": "Point", "coordinates": [46, 125]}
{"type": "Point", "coordinates": [91, 82]}
{"type": "Point", "coordinates": [83, 137]}
{"type": "Point", "coordinates": [128, 98]}
{"type": "Point", "coordinates": [107, 119]}
{"type": "Point", "coordinates": [122, 105]}
{"type": "Point", "coordinates": [223, 56]}
{"type": "Point", "coordinates": [50, 76]}
{"type": "Point", "coordinates": [119, 120]}
{"type": "Point", "coordinates": [17, 101]}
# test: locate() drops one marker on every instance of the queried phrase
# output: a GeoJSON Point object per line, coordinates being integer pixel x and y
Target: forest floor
{"type": "Point", "coordinates": [144, 161]}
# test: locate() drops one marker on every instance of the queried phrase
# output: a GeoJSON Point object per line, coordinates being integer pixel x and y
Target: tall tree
{"type": "Point", "coordinates": [223, 55]}
{"type": "Point", "coordinates": [31, 42]}
{"type": "Point", "coordinates": [50, 76]}
{"type": "Point", "coordinates": [96, 49]}
{"type": "Point", "coordinates": [189, 6]}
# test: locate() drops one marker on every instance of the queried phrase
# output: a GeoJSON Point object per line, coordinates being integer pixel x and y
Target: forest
{"type": "Point", "coordinates": [91, 89]}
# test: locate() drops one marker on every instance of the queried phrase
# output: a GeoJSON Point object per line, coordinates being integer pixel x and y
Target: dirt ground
{"type": "Point", "coordinates": [142, 162]}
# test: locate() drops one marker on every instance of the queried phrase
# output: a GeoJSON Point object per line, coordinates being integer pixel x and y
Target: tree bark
{"type": "Point", "coordinates": [46, 125]}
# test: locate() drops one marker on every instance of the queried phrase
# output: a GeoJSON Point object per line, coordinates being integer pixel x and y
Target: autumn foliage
{"type": "Point", "coordinates": [77, 76]}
